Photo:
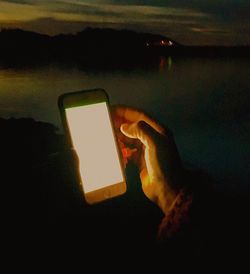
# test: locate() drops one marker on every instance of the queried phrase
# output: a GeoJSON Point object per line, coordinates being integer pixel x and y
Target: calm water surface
{"type": "Point", "coordinates": [205, 102]}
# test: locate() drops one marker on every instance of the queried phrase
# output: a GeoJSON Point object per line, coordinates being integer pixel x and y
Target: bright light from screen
{"type": "Point", "coordinates": [93, 140]}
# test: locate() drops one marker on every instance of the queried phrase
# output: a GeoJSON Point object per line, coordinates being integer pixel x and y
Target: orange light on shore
{"type": "Point", "coordinates": [166, 43]}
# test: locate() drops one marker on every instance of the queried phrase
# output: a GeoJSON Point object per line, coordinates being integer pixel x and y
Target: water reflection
{"type": "Point", "coordinates": [165, 63]}
{"type": "Point", "coordinates": [205, 102]}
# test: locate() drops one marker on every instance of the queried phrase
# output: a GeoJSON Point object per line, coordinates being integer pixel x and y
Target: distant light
{"type": "Point", "coordinates": [170, 43]}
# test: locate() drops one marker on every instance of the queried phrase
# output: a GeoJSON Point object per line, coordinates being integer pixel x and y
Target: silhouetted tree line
{"type": "Point", "coordinates": [98, 46]}
{"type": "Point", "coordinates": [88, 44]}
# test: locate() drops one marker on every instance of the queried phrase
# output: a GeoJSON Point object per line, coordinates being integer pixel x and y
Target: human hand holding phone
{"type": "Point", "coordinates": [89, 130]}
{"type": "Point", "coordinates": [156, 155]}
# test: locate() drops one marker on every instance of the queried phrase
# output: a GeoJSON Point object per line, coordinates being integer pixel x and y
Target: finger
{"type": "Point", "coordinates": [131, 115]}
{"type": "Point", "coordinates": [142, 131]}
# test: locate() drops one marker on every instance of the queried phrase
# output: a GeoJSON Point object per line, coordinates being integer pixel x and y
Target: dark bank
{"type": "Point", "coordinates": [43, 199]}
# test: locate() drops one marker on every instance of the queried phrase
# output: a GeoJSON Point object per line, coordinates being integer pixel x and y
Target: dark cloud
{"type": "Point", "coordinates": [222, 8]}
{"type": "Point", "coordinates": [187, 33]}
{"type": "Point", "coordinates": [92, 8]}
{"type": "Point", "coordinates": [18, 1]}
{"type": "Point", "coordinates": [222, 11]}
{"type": "Point", "coordinates": [187, 21]}
{"type": "Point", "coordinates": [204, 5]}
{"type": "Point", "coordinates": [84, 9]}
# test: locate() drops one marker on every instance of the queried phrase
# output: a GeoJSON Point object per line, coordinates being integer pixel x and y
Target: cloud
{"type": "Point", "coordinates": [74, 8]}
{"type": "Point", "coordinates": [230, 9]}
{"type": "Point", "coordinates": [18, 1]}
{"type": "Point", "coordinates": [130, 13]}
{"type": "Point", "coordinates": [203, 5]}
{"type": "Point", "coordinates": [194, 21]}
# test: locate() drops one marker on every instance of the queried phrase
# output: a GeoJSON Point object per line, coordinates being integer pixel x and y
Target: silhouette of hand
{"type": "Point", "coordinates": [156, 154]}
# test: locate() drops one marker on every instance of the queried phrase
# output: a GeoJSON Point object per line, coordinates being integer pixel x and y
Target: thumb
{"type": "Point", "coordinates": [142, 131]}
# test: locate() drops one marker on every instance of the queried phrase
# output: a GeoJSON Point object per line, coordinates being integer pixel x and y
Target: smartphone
{"type": "Point", "coordinates": [88, 126]}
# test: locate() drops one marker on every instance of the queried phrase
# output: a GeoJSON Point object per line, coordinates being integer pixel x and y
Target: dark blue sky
{"type": "Point", "coordinates": [191, 22]}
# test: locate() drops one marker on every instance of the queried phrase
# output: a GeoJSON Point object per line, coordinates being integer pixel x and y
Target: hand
{"type": "Point", "coordinates": [157, 157]}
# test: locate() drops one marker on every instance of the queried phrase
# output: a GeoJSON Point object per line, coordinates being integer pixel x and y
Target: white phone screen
{"type": "Point", "coordinates": [92, 136]}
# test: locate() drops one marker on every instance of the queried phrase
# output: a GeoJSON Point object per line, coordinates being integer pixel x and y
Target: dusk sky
{"type": "Point", "coordinates": [224, 22]}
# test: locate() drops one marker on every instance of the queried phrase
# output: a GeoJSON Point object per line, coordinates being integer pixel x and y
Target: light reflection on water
{"type": "Point", "coordinates": [205, 102]}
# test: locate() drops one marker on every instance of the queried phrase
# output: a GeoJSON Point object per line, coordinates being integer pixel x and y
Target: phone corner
{"type": "Point", "coordinates": [60, 100]}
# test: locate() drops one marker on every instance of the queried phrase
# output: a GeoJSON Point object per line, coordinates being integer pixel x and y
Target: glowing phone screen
{"type": "Point", "coordinates": [92, 137]}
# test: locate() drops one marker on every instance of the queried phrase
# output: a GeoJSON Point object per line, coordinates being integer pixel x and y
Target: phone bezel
{"type": "Point", "coordinates": [88, 97]}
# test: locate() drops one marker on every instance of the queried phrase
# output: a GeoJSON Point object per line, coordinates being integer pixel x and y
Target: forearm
{"type": "Point", "coordinates": [192, 205]}
{"type": "Point", "coordinates": [177, 216]}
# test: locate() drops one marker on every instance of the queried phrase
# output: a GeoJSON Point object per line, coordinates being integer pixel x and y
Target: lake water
{"type": "Point", "coordinates": [204, 101]}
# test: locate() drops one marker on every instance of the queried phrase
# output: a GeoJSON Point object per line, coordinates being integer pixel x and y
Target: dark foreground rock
{"type": "Point", "coordinates": [43, 205]}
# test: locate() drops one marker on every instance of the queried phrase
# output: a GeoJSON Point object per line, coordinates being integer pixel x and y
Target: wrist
{"type": "Point", "coordinates": [177, 217]}
{"type": "Point", "coordinates": [170, 189]}
{"type": "Point", "coordinates": [166, 199]}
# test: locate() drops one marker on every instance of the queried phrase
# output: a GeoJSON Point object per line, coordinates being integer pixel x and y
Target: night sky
{"type": "Point", "coordinates": [223, 22]}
